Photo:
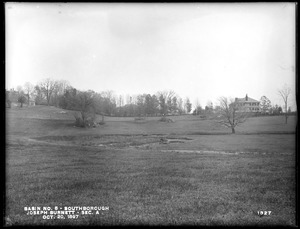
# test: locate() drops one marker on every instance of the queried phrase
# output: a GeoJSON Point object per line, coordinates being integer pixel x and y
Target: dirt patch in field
{"type": "Point", "coordinates": [214, 152]}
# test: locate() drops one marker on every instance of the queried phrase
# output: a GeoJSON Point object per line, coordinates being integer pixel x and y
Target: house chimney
{"type": "Point", "coordinates": [246, 97]}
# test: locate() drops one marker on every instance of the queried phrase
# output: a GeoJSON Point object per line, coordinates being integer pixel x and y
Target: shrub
{"type": "Point", "coordinates": [85, 120]}
{"type": "Point", "coordinates": [78, 120]}
{"type": "Point", "coordinates": [165, 119]}
{"type": "Point", "coordinates": [89, 122]}
{"type": "Point", "coordinates": [139, 118]}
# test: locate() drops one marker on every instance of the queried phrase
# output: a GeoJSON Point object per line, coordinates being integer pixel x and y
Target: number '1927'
{"type": "Point", "coordinates": [263, 213]}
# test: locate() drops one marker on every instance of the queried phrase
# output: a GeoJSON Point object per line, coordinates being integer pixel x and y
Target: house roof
{"type": "Point", "coordinates": [249, 100]}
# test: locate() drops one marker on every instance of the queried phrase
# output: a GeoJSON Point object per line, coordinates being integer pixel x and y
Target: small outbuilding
{"type": "Point", "coordinates": [31, 102]}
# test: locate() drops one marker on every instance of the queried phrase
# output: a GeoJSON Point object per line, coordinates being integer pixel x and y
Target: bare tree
{"type": "Point", "coordinates": [56, 92]}
{"type": "Point", "coordinates": [231, 114]}
{"type": "Point", "coordinates": [110, 102]}
{"type": "Point", "coordinates": [59, 88]}
{"type": "Point", "coordinates": [47, 86]}
{"type": "Point", "coordinates": [209, 108]}
{"type": "Point", "coordinates": [180, 106]}
{"type": "Point", "coordinates": [120, 101]}
{"type": "Point", "coordinates": [169, 95]}
{"type": "Point", "coordinates": [28, 89]}
{"type": "Point", "coordinates": [285, 92]}
{"type": "Point", "coordinates": [64, 84]}
{"type": "Point", "coordinates": [165, 97]}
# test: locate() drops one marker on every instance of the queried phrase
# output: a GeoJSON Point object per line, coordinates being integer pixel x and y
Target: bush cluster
{"type": "Point", "coordinates": [165, 119]}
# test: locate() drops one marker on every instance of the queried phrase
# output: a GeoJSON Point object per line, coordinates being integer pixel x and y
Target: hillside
{"type": "Point", "coordinates": [42, 119]}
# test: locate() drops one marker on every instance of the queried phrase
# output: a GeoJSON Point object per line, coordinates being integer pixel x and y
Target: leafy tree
{"type": "Point", "coordinates": [188, 105]}
{"type": "Point", "coordinates": [21, 100]}
{"type": "Point", "coordinates": [148, 105]}
{"type": "Point", "coordinates": [29, 89]}
{"type": "Point", "coordinates": [66, 101]}
{"type": "Point", "coordinates": [198, 110]}
{"type": "Point", "coordinates": [276, 110]}
{"type": "Point", "coordinates": [154, 104]}
{"type": "Point", "coordinates": [39, 95]}
{"type": "Point", "coordinates": [180, 106]}
{"type": "Point", "coordinates": [209, 108]}
{"type": "Point", "coordinates": [84, 103]}
{"type": "Point", "coordinates": [141, 104]}
{"type": "Point", "coordinates": [265, 104]}
{"type": "Point", "coordinates": [163, 105]}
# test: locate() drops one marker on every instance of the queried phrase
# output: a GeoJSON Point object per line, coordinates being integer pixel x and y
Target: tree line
{"type": "Point", "coordinates": [61, 94]}
{"type": "Point", "coordinates": [88, 103]}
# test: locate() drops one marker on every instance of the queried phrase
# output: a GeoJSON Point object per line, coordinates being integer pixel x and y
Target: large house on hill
{"type": "Point", "coordinates": [248, 104]}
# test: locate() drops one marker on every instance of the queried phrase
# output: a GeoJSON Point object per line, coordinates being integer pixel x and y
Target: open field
{"type": "Point", "coordinates": [202, 175]}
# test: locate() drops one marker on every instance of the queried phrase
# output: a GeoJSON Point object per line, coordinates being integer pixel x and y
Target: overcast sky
{"type": "Point", "coordinates": [201, 51]}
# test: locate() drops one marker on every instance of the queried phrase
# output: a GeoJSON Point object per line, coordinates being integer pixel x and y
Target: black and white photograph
{"type": "Point", "coordinates": [150, 114]}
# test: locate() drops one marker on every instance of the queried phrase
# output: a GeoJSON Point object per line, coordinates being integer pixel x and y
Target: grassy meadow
{"type": "Point", "coordinates": [203, 175]}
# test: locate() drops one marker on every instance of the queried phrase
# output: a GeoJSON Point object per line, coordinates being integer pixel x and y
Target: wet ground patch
{"type": "Point", "coordinates": [114, 141]}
